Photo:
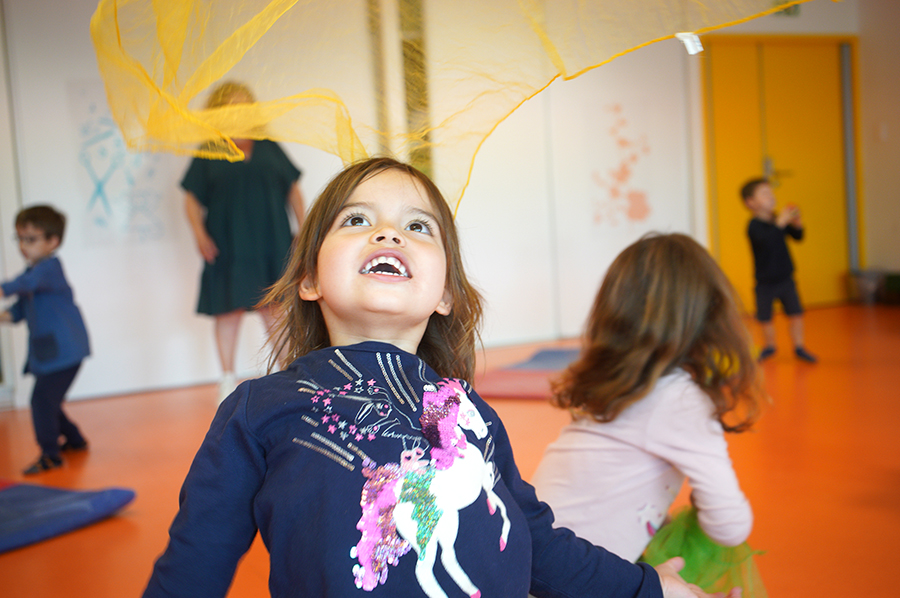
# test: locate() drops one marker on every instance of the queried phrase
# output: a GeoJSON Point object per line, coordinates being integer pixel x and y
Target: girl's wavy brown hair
{"type": "Point", "coordinates": [448, 345]}
{"type": "Point", "coordinates": [664, 304]}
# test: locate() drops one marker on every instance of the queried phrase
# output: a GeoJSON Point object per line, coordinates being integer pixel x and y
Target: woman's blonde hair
{"type": "Point", "coordinates": [664, 304]}
{"type": "Point", "coordinates": [225, 93]}
{"type": "Point", "coordinates": [243, 124]}
{"type": "Point", "coordinates": [448, 345]}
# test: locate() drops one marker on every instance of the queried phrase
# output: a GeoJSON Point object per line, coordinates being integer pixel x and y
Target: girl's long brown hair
{"type": "Point", "coordinates": [664, 304]}
{"type": "Point", "coordinates": [448, 344]}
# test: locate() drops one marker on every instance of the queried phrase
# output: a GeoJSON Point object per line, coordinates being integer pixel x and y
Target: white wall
{"type": "Point", "coordinates": [879, 79]}
{"type": "Point", "coordinates": [540, 220]}
{"type": "Point", "coordinates": [9, 194]}
{"type": "Point", "coordinates": [816, 17]}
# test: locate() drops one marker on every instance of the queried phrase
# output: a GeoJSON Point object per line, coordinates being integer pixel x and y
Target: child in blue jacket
{"type": "Point", "coordinates": [57, 337]}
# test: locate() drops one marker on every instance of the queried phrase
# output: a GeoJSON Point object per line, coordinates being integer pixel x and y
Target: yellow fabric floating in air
{"type": "Point", "coordinates": [363, 77]}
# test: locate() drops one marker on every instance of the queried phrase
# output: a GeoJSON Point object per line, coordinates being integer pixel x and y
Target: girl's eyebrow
{"type": "Point", "coordinates": [424, 213]}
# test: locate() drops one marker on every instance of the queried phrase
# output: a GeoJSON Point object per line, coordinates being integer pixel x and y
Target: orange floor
{"type": "Point", "coordinates": [822, 471]}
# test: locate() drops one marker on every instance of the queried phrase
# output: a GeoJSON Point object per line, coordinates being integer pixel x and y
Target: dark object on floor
{"type": "Point", "coordinates": [874, 286]}
{"type": "Point", "coordinates": [30, 513]}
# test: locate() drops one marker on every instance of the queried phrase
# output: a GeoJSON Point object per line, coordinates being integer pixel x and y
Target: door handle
{"type": "Point", "coordinates": [772, 174]}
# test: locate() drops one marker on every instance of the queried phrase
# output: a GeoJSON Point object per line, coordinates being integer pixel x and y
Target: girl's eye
{"type": "Point", "coordinates": [419, 226]}
{"type": "Point", "coordinates": [355, 220]}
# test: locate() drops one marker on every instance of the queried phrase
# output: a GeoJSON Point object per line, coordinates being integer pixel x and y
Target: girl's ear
{"type": "Point", "coordinates": [445, 305]}
{"type": "Point", "coordinates": [309, 290]}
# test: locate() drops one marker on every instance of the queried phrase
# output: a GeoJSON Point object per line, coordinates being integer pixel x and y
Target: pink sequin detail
{"type": "Point", "coordinates": [380, 545]}
{"type": "Point", "coordinates": [440, 413]}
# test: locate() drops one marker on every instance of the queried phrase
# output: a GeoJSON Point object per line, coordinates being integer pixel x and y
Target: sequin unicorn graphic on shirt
{"type": "Point", "coordinates": [415, 504]}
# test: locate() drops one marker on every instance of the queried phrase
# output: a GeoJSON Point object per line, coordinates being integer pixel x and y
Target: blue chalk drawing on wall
{"type": "Point", "coordinates": [124, 200]}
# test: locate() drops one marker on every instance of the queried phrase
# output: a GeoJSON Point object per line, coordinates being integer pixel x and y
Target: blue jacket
{"type": "Point", "coordinates": [57, 337]}
{"type": "Point", "coordinates": [349, 464]}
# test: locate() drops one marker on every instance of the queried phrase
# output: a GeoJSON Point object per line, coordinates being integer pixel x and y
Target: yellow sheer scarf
{"type": "Point", "coordinates": [425, 80]}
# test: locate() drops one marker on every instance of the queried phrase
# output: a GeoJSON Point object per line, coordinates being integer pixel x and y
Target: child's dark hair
{"type": "Point", "coordinates": [448, 344]}
{"type": "Point", "coordinates": [44, 218]}
{"type": "Point", "coordinates": [664, 304]}
{"type": "Point", "coordinates": [748, 189]}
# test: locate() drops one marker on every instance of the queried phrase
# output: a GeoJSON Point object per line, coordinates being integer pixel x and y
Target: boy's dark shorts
{"type": "Point", "coordinates": [785, 291]}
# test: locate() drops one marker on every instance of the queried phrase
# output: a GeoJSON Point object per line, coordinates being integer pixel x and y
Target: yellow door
{"type": "Point", "coordinates": [774, 108]}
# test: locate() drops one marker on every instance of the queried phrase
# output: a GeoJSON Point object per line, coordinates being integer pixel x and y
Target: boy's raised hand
{"type": "Point", "coordinates": [675, 587]}
{"type": "Point", "coordinates": [790, 215]}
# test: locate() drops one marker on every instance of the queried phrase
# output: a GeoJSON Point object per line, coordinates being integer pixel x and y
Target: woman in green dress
{"type": "Point", "coordinates": [238, 214]}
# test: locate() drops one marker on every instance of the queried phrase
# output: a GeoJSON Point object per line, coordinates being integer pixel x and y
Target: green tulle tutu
{"type": "Point", "coordinates": [713, 567]}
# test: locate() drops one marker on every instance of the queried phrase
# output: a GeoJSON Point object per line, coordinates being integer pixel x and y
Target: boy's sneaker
{"type": "Point", "coordinates": [72, 447]}
{"type": "Point", "coordinates": [766, 353]}
{"type": "Point", "coordinates": [44, 463]}
{"type": "Point", "coordinates": [805, 355]}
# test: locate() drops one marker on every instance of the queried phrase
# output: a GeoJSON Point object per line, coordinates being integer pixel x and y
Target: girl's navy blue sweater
{"type": "Point", "coordinates": [367, 474]}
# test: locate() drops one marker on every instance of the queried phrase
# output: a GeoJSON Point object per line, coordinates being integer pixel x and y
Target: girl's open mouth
{"type": "Point", "coordinates": [385, 265]}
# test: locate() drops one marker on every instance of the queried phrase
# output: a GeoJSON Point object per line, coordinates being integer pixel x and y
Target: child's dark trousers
{"type": "Point", "coordinates": [47, 414]}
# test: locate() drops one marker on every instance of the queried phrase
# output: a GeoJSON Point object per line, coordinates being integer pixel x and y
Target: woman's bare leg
{"type": "Point", "coordinates": [227, 328]}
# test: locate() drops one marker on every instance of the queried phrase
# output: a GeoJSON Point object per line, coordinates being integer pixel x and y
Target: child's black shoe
{"type": "Point", "coordinates": [73, 447]}
{"type": "Point", "coordinates": [44, 463]}
{"type": "Point", "coordinates": [805, 355]}
{"type": "Point", "coordinates": [766, 353]}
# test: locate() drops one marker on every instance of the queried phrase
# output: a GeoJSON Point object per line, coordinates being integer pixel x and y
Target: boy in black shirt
{"type": "Point", "coordinates": [773, 264]}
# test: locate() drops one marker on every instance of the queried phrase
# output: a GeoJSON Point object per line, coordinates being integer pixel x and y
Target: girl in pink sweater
{"type": "Point", "coordinates": [665, 371]}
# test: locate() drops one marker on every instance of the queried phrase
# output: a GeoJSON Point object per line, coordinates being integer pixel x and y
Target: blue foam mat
{"type": "Point", "coordinates": [31, 513]}
{"type": "Point", "coordinates": [548, 359]}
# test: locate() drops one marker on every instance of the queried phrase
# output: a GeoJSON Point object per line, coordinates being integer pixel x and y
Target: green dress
{"type": "Point", "coordinates": [246, 216]}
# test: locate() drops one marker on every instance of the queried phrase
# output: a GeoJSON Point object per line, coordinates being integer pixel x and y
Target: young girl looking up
{"type": "Point", "coordinates": [666, 366]}
{"type": "Point", "coordinates": [369, 456]}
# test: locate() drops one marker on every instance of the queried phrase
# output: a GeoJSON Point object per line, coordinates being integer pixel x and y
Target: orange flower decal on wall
{"type": "Point", "coordinates": [621, 199]}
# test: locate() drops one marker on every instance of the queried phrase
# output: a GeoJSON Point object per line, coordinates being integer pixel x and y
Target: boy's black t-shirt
{"type": "Point", "coordinates": [771, 257]}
